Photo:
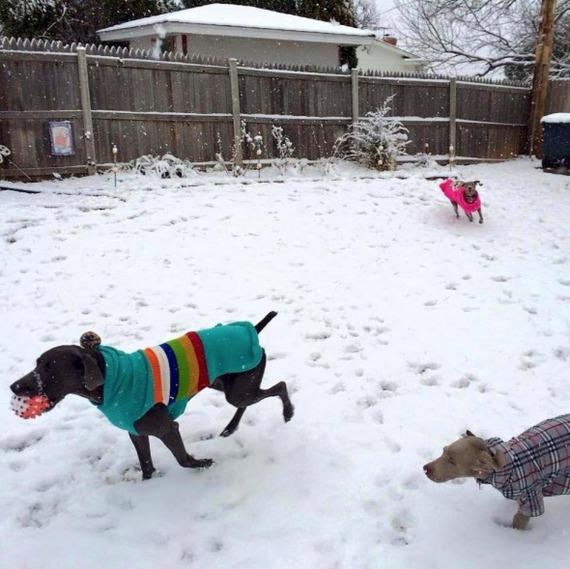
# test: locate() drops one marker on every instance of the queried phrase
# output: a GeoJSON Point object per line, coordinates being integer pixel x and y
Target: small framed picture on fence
{"type": "Point", "coordinates": [61, 138]}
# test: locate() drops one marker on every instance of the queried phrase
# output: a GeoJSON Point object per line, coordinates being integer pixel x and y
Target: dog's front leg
{"type": "Point", "coordinates": [469, 216]}
{"type": "Point", "coordinates": [520, 521]}
{"type": "Point", "coordinates": [158, 423]}
{"type": "Point", "coordinates": [142, 447]}
{"type": "Point", "coordinates": [173, 441]}
{"type": "Point", "coordinates": [480, 215]}
{"type": "Point", "coordinates": [455, 209]}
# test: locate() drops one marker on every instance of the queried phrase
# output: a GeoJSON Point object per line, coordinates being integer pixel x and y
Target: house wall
{"type": "Point", "coordinates": [250, 49]}
{"type": "Point", "coordinates": [376, 57]}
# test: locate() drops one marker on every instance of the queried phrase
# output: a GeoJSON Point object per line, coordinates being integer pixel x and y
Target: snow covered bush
{"type": "Point", "coordinates": [167, 166]}
{"type": "Point", "coordinates": [425, 160]}
{"type": "Point", "coordinates": [375, 140]}
{"type": "Point", "coordinates": [220, 160]}
{"type": "Point", "coordinates": [254, 143]}
{"type": "Point", "coordinates": [285, 148]}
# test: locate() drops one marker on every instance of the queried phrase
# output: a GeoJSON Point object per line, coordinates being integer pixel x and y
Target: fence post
{"type": "Point", "coordinates": [86, 109]}
{"type": "Point", "coordinates": [234, 87]}
{"type": "Point", "coordinates": [452, 121]}
{"type": "Point", "coordinates": [355, 108]}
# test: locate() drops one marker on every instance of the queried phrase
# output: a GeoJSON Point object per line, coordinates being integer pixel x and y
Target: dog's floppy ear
{"type": "Point", "coordinates": [92, 377]}
{"type": "Point", "coordinates": [468, 433]}
{"type": "Point", "coordinates": [499, 458]}
{"type": "Point", "coordinates": [486, 463]}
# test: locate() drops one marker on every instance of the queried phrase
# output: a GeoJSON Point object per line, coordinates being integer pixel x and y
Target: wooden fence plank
{"type": "Point", "coordinates": [86, 111]}
{"type": "Point", "coordinates": [234, 83]}
{"type": "Point", "coordinates": [452, 120]}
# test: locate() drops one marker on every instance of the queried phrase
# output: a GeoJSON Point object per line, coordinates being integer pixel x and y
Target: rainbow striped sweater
{"type": "Point", "coordinates": [173, 372]}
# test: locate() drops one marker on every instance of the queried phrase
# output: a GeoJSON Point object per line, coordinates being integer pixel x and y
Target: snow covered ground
{"type": "Point", "coordinates": [399, 326]}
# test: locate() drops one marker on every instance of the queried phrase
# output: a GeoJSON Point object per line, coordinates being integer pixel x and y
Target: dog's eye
{"type": "Point", "coordinates": [451, 460]}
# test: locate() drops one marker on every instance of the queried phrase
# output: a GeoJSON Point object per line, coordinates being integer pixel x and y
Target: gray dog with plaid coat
{"type": "Point", "coordinates": [526, 469]}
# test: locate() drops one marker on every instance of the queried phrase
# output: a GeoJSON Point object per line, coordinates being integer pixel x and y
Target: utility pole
{"type": "Point", "coordinates": [543, 54]}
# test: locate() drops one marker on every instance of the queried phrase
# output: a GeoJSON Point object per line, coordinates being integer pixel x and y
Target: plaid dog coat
{"type": "Point", "coordinates": [538, 465]}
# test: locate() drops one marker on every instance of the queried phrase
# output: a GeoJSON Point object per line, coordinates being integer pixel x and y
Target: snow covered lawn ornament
{"type": "Point", "coordinates": [29, 407]}
{"type": "Point", "coordinates": [4, 152]}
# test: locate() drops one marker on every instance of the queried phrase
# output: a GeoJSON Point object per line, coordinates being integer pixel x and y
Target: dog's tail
{"type": "Point", "coordinates": [265, 321]}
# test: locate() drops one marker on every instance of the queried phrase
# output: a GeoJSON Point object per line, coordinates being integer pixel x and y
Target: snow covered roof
{"type": "Point", "coordinates": [241, 21]}
{"type": "Point", "coordinates": [556, 118]}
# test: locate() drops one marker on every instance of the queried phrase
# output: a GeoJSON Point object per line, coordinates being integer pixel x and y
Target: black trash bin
{"type": "Point", "coordinates": [556, 140]}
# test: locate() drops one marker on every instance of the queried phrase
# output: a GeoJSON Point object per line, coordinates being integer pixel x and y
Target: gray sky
{"type": "Point", "coordinates": [384, 5]}
{"type": "Point", "coordinates": [386, 14]}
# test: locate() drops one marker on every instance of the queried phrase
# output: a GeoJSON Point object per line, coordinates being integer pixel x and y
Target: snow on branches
{"type": "Point", "coordinates": [375, 140]}
{"type": "Point", "coordinates": [482, 37]}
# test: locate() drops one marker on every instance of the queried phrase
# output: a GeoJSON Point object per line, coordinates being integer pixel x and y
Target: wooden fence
{"type": "Point", "coordinates": [558, 96]}
{"type": "Point", "coordinates": [193, 109]}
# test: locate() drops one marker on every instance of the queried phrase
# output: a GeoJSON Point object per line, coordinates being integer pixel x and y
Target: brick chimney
{"type": "Point", "coordinates": [390, 39]}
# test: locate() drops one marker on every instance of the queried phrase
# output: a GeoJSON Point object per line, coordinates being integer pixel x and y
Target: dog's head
{"type": "Point", "coordinates": [62, 371]}
{"type": "Point", "coordinates": [469, 189]}
{"type": "Point", "coordinates": [466, 457]}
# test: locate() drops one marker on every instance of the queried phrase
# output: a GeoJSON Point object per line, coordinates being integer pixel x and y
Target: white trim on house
{"type": "Point", "coordinates": [175, 28]}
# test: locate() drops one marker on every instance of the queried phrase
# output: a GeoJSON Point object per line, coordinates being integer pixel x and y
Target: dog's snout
{"type": "Point", "coordinates": [26, 386]}
{"type": "Point", "coordinates": [428, 470]}
{"type": "Point", "coordinates": [17, 388]}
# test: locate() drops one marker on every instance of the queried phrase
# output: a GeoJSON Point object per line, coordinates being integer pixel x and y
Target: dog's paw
{"type": "Point", "coordinates": [148, 474]}
{"type": "Point", "coordinates": [520, 521]}
{"type": "Point", "coordinates": [201, 463]}
{"type": "Point", "coordinates": [288, 412]}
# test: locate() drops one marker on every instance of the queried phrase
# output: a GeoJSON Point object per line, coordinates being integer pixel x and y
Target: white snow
{"type": "Point", "coordinates": [399, 326]}
{"type": "Point", "coordinates": [556, 118]}
{"type": "Point", "coordinates": [243, 17]}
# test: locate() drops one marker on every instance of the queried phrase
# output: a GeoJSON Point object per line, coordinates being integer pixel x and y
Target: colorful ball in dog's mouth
{"type": "Point", "coordinates": [29, 407]}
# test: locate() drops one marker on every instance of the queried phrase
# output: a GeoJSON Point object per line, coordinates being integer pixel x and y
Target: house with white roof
{"type": "Point", "coordinates": [249, 34]}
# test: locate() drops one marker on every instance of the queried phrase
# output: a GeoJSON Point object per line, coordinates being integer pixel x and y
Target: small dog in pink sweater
{"type": "Point", "coordinates": [463, 194]}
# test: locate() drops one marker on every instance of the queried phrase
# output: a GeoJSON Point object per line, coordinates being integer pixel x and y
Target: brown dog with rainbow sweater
{"type": "Point", "coordinates": [145, 391]}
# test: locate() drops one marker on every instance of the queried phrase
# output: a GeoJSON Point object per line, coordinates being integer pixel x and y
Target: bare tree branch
{"type": "Point", "coordinates": [481, 37]}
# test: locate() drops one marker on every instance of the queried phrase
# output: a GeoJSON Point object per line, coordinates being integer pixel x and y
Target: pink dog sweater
{"type": "Point", "coordinates": [457, 196]}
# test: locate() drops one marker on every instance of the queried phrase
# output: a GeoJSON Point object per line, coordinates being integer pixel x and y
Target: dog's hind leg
{"type": "Point", "coordinates": [455, 209]}
{"type": "Point", "coordinates": [232, 426]}
{"type": "Point", "coordinates": [278, 390]}
{"type": "Point", "coordinates": [244, 398]}
{"type": "Point", "coordinates": [142, 446]}
{"type": "Point", "coordinates": [243, 389]}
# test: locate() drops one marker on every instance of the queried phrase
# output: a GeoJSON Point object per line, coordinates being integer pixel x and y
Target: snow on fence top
{"type": "Point", "coordinates": [52, 46]}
